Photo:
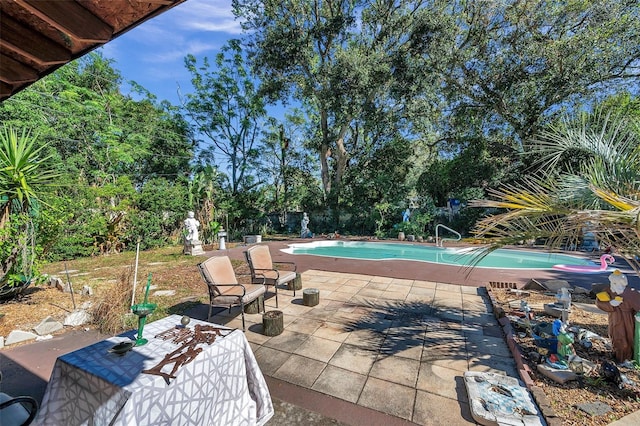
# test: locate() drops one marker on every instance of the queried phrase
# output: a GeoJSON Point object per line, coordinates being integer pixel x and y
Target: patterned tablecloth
{"type": "Point", "coordinates": [223, 385]}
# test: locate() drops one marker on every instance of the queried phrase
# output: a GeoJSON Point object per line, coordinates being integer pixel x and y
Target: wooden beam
{"type": "Point", "coordinates": [12, 71]}
{"type": "Point", "coordinates": [31, 44]}
{"type": "Point", "coordinates": [162, 2]}
{"type": "Point", "coordinates": [70, 18]}
{"type": "Point", "coordinates": [5, 90]}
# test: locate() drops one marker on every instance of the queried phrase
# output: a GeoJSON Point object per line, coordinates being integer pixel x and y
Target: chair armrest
{"type": "Point", "coordinates": [251, 277]}
{"type": "Point", "coordinates": [31, 411]}
{"type": "Point", "coordinates": [287, 263]}
{"type": "Point", "coordinates": [244, 289]}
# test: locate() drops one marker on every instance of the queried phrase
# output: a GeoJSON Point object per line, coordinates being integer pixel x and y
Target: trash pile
{"type": "Point", "coordinates": [562, 336]}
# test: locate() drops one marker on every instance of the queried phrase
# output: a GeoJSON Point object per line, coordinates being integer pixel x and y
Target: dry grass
{"type": "Point", "coordinates": [110, 312]}
{"type": "Point", "coordinates": [111, 278]}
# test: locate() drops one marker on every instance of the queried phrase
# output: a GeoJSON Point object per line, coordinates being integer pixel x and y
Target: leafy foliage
{"type": "Point", "coordinates": [566, 199]}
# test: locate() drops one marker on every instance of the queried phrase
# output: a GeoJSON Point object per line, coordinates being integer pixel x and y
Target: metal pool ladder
{"type": "Point", "coordinates": [440, 241]}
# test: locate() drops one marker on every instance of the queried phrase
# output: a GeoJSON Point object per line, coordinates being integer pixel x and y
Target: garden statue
{"type": "Point", "coordinates": [192, 244]}
{"type": "Point", "coordinates": [406, 215]}
{"type": "Point", "coordinates": [622, 303]}
{"type": "Point", "coordinates": [565, 341]}
{"type": "Point", "coordinates": [304, 224]}
{"type": "Point", "coordinates": [191, 226]}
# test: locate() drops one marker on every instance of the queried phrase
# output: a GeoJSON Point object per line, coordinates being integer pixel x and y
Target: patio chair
{"type": "Point", "coordinates": [261, 265]}
{"type": "Point", "coordinates": [224, 288]}
{"type": "Point", "coordinates": [19, 410]}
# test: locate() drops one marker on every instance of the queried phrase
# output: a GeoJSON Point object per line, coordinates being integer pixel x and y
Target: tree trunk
{"type": "Point", "coordinates": [272, 323]}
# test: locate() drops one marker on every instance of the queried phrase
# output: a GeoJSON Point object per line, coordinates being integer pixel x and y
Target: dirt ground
{"type": "Point", "coordinates": [589, 388]}
{"type": "Point", "coordinates": [169, 269]}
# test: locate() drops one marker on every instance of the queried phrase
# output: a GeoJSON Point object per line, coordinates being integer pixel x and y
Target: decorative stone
{"type": "Point", "coordinates": [411, 237]}
{"type": "Point", "coordinates": [594, 408]}
{"type": "Point", "coordinates": [496, 399]}
{"type": "Point", "coordinates": [254, 307]}
{"type": "Point", "coordinates": [272, 323]}
{"type": "Point", "coordinates": [56, 282]}
{"type": "Point", "coordinates": [556, 310]}
{"type": "Point", "coordinates": [63, 287]}
{"type": "Point", "coordinates": [18, 336]}
{"type": "Point", "coordinates": [76, 318]}
{"type": "Point", "coordinates": [310, 296]}
{"type": "Point", "coordinates": [558, 376]}
{"type": "Point", "coordinates": [295, 284]}
{"type": "Point", "coordinates": [164, 293]}
{"type": "Point", "coordinates": [579, 290]}
{"type": "Point", "coordinates": [555, 285]}
{"type": "Point", "coordinates": [534, 285]}
{"type": "Point", "coordinates": [87, 291]}
{"type": "Point", "coordinates": [48, 326]}
{"type": "Point", "coordinates": [252, 239]}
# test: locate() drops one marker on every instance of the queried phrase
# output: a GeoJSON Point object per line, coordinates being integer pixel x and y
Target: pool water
{"type": "Point", "coordinates": [499, 259]}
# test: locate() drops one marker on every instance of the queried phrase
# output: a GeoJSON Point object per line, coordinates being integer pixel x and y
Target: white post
{"type": "Point", "coordinates": [135, 274]}
{"type": "Point", "coordinates": [221, 234]}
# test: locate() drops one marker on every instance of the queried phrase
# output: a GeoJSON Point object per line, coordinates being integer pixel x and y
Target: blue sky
{"type": "Point", "coordinates": [152, 54]}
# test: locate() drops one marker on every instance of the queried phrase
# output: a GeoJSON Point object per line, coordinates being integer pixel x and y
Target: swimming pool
{"type": "Point", "coordinates": [498, 259]}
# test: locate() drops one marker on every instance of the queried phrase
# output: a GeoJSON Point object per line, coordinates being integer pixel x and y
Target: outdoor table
{"type": "Point", "coordinates": [222, 385]}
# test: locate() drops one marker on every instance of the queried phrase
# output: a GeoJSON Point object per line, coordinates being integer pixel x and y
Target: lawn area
{"type": "Point", "coordinates": [106, 276]}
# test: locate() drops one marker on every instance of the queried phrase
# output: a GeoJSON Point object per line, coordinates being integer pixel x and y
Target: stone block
{"type": "Point", "coordinates": [48, 326]}
{"type": "Point", "coordinates": [558, 376]}
{"type": "Point", "coordinates": [18, 336]}
{"type": "Point", "coordinates": [76, 318]}
{"type": "Point", "coordinates": [555, 285]}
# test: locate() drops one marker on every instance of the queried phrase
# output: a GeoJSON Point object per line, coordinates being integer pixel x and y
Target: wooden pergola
{"type": "Point", "coordinates": [39, 36]}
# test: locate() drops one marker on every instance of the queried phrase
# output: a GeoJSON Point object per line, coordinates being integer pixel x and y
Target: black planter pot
{"type": "Point", "coordinates": [10, 291]}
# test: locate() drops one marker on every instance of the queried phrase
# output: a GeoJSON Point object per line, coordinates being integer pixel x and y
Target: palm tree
{"type": "Point", "coordinates": [588, 180]}
{"type": "Point", "coordinates": [23, 177]}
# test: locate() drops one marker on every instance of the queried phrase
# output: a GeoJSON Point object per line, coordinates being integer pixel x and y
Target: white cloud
{"type": "Point", "coordinates": [206, 15]}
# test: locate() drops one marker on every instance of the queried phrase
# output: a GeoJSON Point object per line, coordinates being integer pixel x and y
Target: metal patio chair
{"type": "Point", "coordinates": [224, 288]}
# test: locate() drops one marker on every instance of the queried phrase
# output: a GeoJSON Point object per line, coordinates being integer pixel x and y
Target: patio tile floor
{"type": "Point", "coordinates": [395, 346]}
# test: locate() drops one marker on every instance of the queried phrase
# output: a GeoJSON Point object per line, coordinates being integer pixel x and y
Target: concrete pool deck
{"type": "Point", "coordinates": [387, 344]}
{"type": "Point", "coordinates": [476, 277]}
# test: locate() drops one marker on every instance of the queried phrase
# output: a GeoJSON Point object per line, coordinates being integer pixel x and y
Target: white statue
{"type": "Point", "coordinates": [191, 225]}
{"type": "Point", "coordinates": [304, 224]}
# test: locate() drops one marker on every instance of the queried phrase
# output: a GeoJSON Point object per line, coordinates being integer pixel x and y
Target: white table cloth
{"type": "Point", "coordinates": [223, 385]}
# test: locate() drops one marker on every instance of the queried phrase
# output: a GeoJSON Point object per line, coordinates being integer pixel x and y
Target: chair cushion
{"type": "Point", "coordinates": [14, 414]}
{"type": "Point", "coordinates": [286, 276]}
{"type": "Point", "coordinates": [218, 270]}
{"type": "Point", "coordinates": [230, 295]}
{"type": "Point", "coordinates": [260, 257]}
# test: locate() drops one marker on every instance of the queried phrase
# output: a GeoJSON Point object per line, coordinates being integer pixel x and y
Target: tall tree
{"type": "Point", "coordinates": [227, 109]}
{"type": "Point", "coordinates": [333, 55]}
{"type": "Point", "coordinates": [107, 147]}
{"type": "Point", "coordinates": [511, 67]}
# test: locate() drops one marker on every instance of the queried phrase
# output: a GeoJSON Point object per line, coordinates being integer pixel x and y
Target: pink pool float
{"type": "Point", "coordinates": [605, 261]}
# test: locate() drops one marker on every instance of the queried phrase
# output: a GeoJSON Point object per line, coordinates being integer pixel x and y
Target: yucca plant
{"type": "Point", "coordinates": [23, 175]}
{"type": "Point", "coordinates": [587, 180]}
{"type": "Point", "coordinates": [23, 171]}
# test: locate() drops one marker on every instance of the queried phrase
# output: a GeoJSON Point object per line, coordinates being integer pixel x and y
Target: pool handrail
{"type": "Point", "coordinates": [440, 241]}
